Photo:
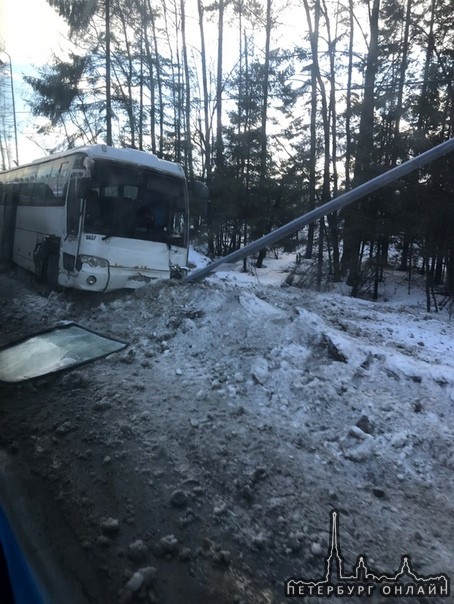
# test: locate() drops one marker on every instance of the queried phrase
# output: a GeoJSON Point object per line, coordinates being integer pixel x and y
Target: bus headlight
{"type": "Point", "coordinates": [94, 261]}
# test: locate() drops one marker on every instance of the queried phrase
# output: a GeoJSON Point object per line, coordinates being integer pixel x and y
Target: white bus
{"type": "Point", "coordinates": [96, 218]}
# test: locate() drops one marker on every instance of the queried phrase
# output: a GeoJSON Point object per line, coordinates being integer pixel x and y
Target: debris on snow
{"type": "Point", "coordinates": [240, 416]}
{"type": "Point", "coordinates": [260, 371]}
{"type": "Point", "coordinates": [179, 498]}
{"type": "Point", "coordinates": [137, 550]}
{"type": "Point", "coordinates": [110, 526]}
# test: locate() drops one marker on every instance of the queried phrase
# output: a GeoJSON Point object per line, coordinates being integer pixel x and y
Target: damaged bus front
{"type": "Point", "coordinates": [98, 218]}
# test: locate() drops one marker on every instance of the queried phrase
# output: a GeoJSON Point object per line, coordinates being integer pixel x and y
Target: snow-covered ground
{"type": "Point", "coordinates": [214, 448]}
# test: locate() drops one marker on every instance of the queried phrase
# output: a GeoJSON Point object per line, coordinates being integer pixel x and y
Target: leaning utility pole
{"type": "Point", "coordinates": [327, 208]}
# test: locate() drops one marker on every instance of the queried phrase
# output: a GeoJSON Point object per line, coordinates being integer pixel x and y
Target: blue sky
{"type": "Point", "coordinates": [30, 32]}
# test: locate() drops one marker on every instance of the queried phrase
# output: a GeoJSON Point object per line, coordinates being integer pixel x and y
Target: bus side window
{"type": "Point", "coordinates": [43, 195]}
{"type": "Point", "coordinates": [29, 174]}
{"type": "Point", "coordinates": [42, 192]}
{"type": "Point", "coordinates": [59, 179]}
{"type": "Point", "coordinates": [25, 194]}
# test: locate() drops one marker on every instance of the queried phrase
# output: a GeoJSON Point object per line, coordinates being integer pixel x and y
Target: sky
{"type": "Point", "coordinates": [30, 31]}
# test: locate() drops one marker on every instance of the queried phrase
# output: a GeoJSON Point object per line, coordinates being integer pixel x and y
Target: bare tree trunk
{"type": "Point", "coordinates": [108, 84]}
{"type": "Point", "coordinates": [348, 100]}
{"type": "Point", "coordinates": [175, 71]}
{"type": "Point", "coordinates": [246, 159]}
{"type": "Point", "coordinates": [177, 95]}
{"type": "Point", "coordinates": [400, 90]}
{"type": "Point", "coordinates": [427, 62]}
{"type": "Point", "coordinates": [320, 253]}
{"type": "Point", "coordinates": [219, 86]}
{"type": "Point", "coordinates": [206, 114]}
{"type": "Point", "coordinates": [187, 103]}
{"type": "Point", "coordinates": [141, 88]}
{"type": "Point", "coordinates": [126, 69]}
{"type": "Point", "coordinates": [266, 75]}
{"type": "Point", "coordinates": [264, 136]}
{"type": "Point", "coordinates": [313, 32]}
{"type": "Point", "coordinates": [364, 155]}
{"type": "Point", "coordinates": [332, 218]}
{"type": "Point", "coordinates": [154, 77]}
{"type": "Point", "coordinates": [319, 85]}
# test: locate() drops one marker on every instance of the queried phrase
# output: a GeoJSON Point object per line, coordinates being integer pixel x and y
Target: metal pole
{"type": "Point", "coordinates": [327, 208]}
{"type": "Point", "coordinates": [13, 97]}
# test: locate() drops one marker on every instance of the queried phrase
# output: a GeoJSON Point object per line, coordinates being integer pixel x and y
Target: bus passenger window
{"type": "Point", "coordinates": [25, 194]}
{"type": "Point", "coordinates": [43, 195]}
{"type": "Point", "coordinates": [61, 179]}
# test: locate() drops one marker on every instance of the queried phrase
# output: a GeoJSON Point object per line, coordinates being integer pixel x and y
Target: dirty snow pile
{"type": "Point", "coordinates": [241, 413]}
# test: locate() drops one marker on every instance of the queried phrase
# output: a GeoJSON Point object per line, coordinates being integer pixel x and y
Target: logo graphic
{"type": "Point", "coordinates": [363, 581]}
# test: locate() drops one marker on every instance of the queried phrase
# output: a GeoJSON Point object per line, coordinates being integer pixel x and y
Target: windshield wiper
{"type": "Point", "coordinates": [108, 236]}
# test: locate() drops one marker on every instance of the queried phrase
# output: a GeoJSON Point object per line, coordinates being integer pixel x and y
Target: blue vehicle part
{"type": "Point", "coordinates": [17, 583]}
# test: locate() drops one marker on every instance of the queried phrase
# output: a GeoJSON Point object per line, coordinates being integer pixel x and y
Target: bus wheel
{"type": "Point", "coordinates": [40, 258]}
{"type": "Point", "coordinates": [52, 271]}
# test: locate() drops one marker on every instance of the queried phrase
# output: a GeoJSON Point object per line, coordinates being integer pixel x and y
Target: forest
{"type": "Point", "coordinates": [279, 106]}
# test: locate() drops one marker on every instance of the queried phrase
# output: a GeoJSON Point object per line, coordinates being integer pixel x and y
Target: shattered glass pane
{"type": "Point", "coordinates": [60, 348]}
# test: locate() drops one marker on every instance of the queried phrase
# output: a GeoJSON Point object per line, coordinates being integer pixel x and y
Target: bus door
{"type": "Point", "coordinates": [70, 242]}
{"type": "Point", "coordinates": [8, 209]}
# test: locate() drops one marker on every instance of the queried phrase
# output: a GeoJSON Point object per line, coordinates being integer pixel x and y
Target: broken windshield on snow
{"type": "Point", "coordinates": [124, 201]}
{"type": "Point", "coordinates": [59, 348]}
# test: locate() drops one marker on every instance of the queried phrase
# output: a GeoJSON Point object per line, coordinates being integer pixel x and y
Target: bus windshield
{"type": "Point", "coordinates": [136, 203]}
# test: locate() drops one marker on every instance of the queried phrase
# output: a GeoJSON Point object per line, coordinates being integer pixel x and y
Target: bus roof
{"type": "Point", "coordinates": [130, 156]}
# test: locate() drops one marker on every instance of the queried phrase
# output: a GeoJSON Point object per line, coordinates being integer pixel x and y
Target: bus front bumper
{"type": "Point", "coordinates": [110, 278]}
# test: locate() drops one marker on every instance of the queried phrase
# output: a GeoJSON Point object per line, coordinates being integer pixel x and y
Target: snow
{"type": "Point", "coordinates": [241, 413]}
